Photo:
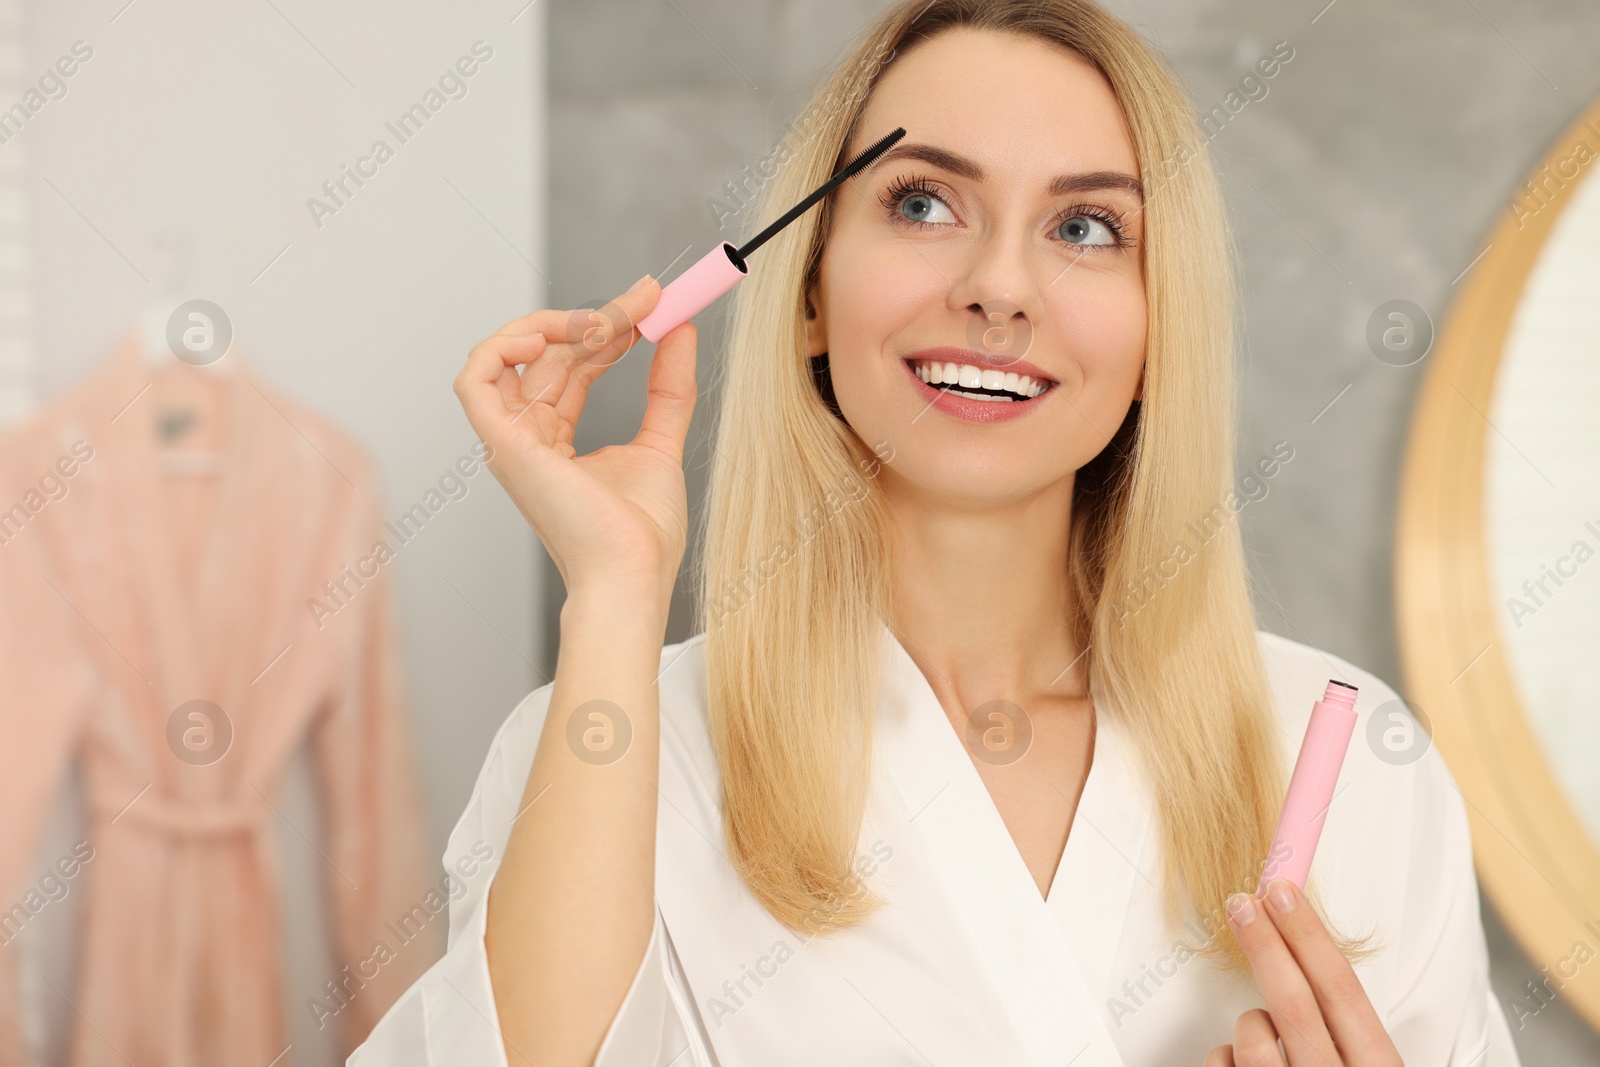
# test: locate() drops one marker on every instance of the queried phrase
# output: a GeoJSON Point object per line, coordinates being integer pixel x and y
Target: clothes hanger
{"type": "Point", "coordinates": [184, 408]}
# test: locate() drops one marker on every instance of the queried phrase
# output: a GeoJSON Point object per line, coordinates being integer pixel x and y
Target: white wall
{"type": "Point", "coordinates": [216, 123]}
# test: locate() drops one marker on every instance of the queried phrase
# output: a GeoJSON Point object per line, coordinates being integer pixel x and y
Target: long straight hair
{"type": "Point", "coordinates": [793, 588]}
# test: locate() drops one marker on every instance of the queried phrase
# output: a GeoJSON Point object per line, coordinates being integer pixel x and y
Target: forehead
{"type": "Point", "coordinates": [1023, 108]}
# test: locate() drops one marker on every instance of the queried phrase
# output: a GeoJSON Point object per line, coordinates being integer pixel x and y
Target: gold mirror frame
{"type": "Point", "coordinates": [1535, 855]}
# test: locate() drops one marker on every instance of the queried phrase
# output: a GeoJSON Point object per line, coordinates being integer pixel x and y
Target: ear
{"type": "Point", "coordinates": [816, 334]}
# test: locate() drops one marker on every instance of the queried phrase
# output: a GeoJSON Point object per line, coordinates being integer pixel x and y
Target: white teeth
{"type": "Point", "coordinates": [971, 377]}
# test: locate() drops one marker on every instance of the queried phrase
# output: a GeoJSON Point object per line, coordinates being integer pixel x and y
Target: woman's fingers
{"type": "Point", "coordinates": [1295, 1013]}
{"type": "Point", "coordinates": [560, 326]}
{"type": "Point", "coordinates": [1255, 1044]}
{"type": "Point", "coordinates": [673, 389]}
{"type": "Point", "coordinates": [1255, 1041]}
{"type": "Point", "coordinates": [1347, 1010]}
{"type": "Point", "coordinates": [557, 349]}
{"type": "Point", "coordinates": [488, 386]}
{"type": "Point", "coordinates": [588, 342]}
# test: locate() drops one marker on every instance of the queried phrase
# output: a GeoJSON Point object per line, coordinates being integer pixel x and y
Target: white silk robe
{"type": "Point", "coordinates": [970, 964]}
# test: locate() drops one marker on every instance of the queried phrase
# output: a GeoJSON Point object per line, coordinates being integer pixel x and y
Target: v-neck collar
{"type": "Point", "coordinates": [1055, 1000]}
{"type": "Point", "coordinates": [1104, 866]}
{"type": "Point", "coordinates": [185, 626]}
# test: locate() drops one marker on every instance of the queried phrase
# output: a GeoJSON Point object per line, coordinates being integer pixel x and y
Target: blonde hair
{"type": "Point", "coordinates": [793, 574]}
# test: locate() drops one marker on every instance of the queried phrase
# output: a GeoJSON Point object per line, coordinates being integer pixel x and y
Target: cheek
{"type": "Point", "coordinates": [1106, 325]}
{"type": "Point", "coordinates": [875, 288]}
{"type": "Point", "coordinates": [862, 386]}
{"type": "Point", "coordinates": [874, 298]}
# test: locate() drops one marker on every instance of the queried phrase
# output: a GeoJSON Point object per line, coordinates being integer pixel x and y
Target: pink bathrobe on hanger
{"type": "Point", "coordinates": [132, 592]}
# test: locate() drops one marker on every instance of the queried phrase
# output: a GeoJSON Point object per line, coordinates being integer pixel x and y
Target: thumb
{"type": "Point", "coordinates": [672, 392]}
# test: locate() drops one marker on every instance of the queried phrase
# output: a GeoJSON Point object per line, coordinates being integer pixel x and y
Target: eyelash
{"type": "Point", "coordinates": [902, 187]}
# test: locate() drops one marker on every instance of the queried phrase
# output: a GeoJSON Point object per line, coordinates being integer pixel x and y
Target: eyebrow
{"type": "Point", "coordinates": [1061, 185]}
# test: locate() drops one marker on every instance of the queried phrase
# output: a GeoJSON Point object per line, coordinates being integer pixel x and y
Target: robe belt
{"type": "Point", "coordinates": [186, 817]}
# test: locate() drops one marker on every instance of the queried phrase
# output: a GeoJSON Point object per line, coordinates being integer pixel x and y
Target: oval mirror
{"type": "Point", "coordinates": [1497, 573]}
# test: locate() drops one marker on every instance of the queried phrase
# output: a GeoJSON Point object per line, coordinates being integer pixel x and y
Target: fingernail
{"type": "Point", "coordinates": [1281, 895]}
{"type": "Point", "coordinates": [638, 283]}
{"type": "Point", "coordinates": [1242, 909]}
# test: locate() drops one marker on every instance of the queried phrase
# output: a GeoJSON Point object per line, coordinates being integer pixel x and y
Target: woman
{"type": "Point", "coordinates": [968, 765]}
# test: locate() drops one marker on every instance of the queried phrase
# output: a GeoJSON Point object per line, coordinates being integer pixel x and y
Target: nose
{"type": "Point", "coordinates": [1000, 327]}
{"type": "Point", "coordinates": [999, 323]}
{"type": "Point", "coordinates": [1000, 295]}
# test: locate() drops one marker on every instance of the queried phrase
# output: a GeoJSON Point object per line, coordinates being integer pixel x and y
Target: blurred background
{"type": "Point", "coordinates": [546, 155]}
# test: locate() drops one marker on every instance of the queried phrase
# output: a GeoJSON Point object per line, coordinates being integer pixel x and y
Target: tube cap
{"type": "Point", "coordinates": [690, 292]}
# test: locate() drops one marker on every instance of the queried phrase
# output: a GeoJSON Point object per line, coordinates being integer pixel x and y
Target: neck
{"type": "Point", "coordinates": [982, 596]}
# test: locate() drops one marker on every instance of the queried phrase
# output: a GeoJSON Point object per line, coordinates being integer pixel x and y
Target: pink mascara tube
{"type": "Point", "coordinates": [724, 266]}
{"type": "Point", "coordinates": [1316, 771]}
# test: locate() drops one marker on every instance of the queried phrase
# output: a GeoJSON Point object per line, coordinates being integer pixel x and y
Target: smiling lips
{"type": "Point", "coordinates": [977, 386]}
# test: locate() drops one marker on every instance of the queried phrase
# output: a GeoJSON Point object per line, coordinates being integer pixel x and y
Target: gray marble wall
{"type": "Point", "coordinates": [1371, 170]}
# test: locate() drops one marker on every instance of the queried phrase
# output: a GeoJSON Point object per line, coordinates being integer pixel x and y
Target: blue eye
{"type": "Point", "coordinates": [917, 202]}
{"type": "Point", "coordinates": [917, 206]}
{"type": "Point", "coordinates": [1080, 230]}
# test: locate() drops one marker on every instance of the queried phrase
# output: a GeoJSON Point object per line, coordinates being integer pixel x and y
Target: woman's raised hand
{"type": "Point", "coordinates": [1316, 1005]}
{"type": "Point", "coordinates": [620, 513]}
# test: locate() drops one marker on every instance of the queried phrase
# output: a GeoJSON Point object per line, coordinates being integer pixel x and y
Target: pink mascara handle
{"type": "Point", "coordinates": [718, 271]}
{"type": "Point", "coordinates": [1316, 772]}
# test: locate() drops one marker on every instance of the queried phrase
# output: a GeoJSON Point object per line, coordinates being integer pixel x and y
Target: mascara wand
{"type": "Point", "coordinates": [724, 266]}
